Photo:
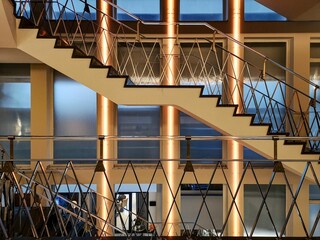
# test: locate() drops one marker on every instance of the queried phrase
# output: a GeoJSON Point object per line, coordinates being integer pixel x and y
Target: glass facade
{"type": "Point", "coordinates": [141, 121]}
{"type": "Point", "coordinates": [314, 116]}
{"type": "Point", "coordinates": [203, 10]}
{"type": "Point", "coordinates": [314, 109]}
{"type": "Point", "coordinates": [314, 208]}
{"type": "Point", "coordinates": [201, 151]}
{"type": "Point", "coordinates": [147, 10]}
{"type": "Point", "coordinates": [74, 115]}
{"type": "Point", "coordinates": [86, 10]}
{"type": "Point", "coordinates": [275, 203]}
{"type": "Point", "coordinates": [15, 104]}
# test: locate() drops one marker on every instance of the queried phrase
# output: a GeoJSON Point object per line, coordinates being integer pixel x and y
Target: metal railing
{"type": "Point", "coordinates": [268, 91]}
{"type": "Point", "coordinates": [59, 203]}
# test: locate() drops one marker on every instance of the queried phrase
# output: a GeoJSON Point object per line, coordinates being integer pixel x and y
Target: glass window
{"type": "Point", "coordinates": [74, 115]}
{"type": "Point", "coordinates": [255, 158]}
{"type": "Point", "coordinates": [314, 111]}
{"type": "Point", "coordinates": [203, 10]}
{"type": "Point", "coordinates": [207, 209]}
{"type": "Point", "coordinates": [15, 103]}
{"type": "Point", "coordinates": [202, 151]}
{"type": "Point", "coordinates": [23, 9]}
{"type": "Point", "coordinates": [67, 9]}
{"type": "Point", "coordinates": [276, 201]}
{"type": "Point", "coordinates": [147, 10]}
{"type": "Point", "coordinates": [254, 11]}
{"type": "Point", "coordinates": [314, 208]}
{"type": "Point", "coordinates": [138, 121]}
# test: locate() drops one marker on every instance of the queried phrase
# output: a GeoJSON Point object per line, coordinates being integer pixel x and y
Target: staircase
{"type": "Point", "coordinates": [54, 46]}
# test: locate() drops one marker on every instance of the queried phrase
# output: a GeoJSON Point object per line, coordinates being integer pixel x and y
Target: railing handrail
{"type": "Point", "coordinates": [154, 138]}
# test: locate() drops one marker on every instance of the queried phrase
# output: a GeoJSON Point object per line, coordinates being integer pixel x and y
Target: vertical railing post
{"type": "Point", "coordinates": [100, 166]}
{"type": "Point", "coordinates": [11, 139]}
{"type": "Point", "coordinates": [101, 138]}
{"type": "Point", "coordinates": [188, 138]}
{"type": "Point", "coordinates": [275, 147]}
{"type": "Point", "coordinates": [8, 165]}
{"type": "Point", "coordinates": [189, 166]}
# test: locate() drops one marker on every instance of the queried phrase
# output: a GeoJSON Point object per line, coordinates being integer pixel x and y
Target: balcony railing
{"type": "Point", "coordinates": [63, 199]}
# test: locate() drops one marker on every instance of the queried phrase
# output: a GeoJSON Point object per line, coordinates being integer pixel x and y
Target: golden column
{"type": "Point", "coordinates": [234, 149]}
{"type": "Point", "coordinates": [170, 125]}
{"type": "Point", "coordinates": [106, 122]}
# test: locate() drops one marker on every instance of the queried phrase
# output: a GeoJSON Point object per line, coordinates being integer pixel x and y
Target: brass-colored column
{"type": "Point", "coordinates": [107, 126]}
{"type": "Point", "coordinates": [170, 126]}
{"type": "Point", "coordinates": [106, 123]}
{"type": "Point", "coordinates": [234, 149]}
{"type": "Point", "coordinates": [170, 149]}
{"type": "Point", "coordinates": [41, 117]}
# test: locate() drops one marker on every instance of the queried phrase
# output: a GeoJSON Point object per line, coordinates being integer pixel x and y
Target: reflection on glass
{"type": "Point", "coordinates": [74, 115]}
{"type": "Point", "coordinates": [138, 121]}
{"type": "Point", "coordinates": [15, 103]}
{"type": "Point", "coordinates": [314, 208]}
{"type": "Point", "coordinates": [314, 111]}
{"type": "Point", "coordinates": [212, 211]}
{"type": "Point", "coordinates": [204, 151]}
{"type": "Point", "coordinates": [276, 202]}
{"type": "Point", "coordinates": [66, 9]}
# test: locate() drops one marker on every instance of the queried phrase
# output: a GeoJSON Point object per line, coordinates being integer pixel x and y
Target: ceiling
{"type": "Point", "coordinates": [295, 10]}
{"type": "Point", "coordinates": [14, 55]}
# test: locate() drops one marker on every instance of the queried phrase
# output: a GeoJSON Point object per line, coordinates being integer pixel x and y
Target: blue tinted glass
{"type": "Point", "coordinates": [138, 121]}
{"type": "Point", "coordinates": [254, 11]}
{"type": "Point", "coordinates": [68, 8]}
{"type": "Point", "coordinates": [202, 10]}
{"type": "Point", "coordinates": [248, 154]}
{"type": "Point", "coordinates": [23, 9]}
{"type": "Point", "coordinates": [74, 115]}
{"type": "Point", "coordinates": [205, 150]}
{"type": "Point", "coordinates": [314, 210]}
{"type": "Point", "coordinates": [148, 10]}
{"type": "Point", "coordinates": [314, 112]}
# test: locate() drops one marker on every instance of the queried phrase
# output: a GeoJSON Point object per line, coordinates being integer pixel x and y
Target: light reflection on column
{"type": "Point", "coordinates": [170, 149]}
{"type": "Point", "coordinates": [106, 119]}
{"type": "Point", "coordinates": [235, 150]}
